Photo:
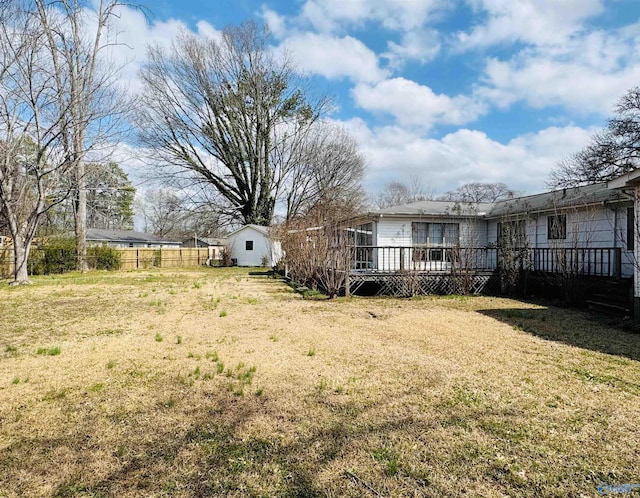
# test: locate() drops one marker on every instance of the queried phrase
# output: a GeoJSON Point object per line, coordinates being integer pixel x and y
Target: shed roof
{"type": "Point", "coordinates": [259, 228]}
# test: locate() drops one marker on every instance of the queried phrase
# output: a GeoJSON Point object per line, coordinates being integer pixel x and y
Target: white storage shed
{"type": "Point", "coordinates": [251, 245]}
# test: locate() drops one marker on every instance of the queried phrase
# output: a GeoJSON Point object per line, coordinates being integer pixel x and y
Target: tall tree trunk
{"type": "Point", "coordinates": [20, 257]}
{"type": "Point", "coordinates": [81, 219]}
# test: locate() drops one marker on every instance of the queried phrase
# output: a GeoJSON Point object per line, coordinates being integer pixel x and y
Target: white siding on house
{"type": "Point", "coordinates": [397, 231]}
{"type": "Point", "coordinates": [636, 270]}
{"type": "Point", "coordinates": [592, 228]}
{"type": "Point", "coordinates": [584, 229]}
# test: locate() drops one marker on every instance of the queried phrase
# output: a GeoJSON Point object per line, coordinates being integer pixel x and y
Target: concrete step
{"type": "Point", "coordinates": [609, 307]}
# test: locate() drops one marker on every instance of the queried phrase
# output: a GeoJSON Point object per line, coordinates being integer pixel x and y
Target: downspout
{"type": "Point", "coordinates": [615, 228]}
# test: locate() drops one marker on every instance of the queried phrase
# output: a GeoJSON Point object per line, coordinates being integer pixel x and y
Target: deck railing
{"type": "Point", "coordinates": [597, 262]}
{"type": "Point", "coordinates": [600, 262]}
{"type": "Point", "coordinates": [386, 259]}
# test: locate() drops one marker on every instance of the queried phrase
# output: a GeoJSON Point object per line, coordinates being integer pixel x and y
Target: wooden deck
{"type": "Point", "coordinates": [409, 271]}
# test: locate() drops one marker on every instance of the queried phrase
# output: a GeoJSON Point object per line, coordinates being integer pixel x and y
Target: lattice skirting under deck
{"type": "Point", "coordinates": [417, 284]}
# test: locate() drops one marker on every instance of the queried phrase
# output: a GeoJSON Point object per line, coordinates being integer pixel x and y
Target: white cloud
{"type": "Point", "coordinates": [585, 75]}
{"type": "Point", "coordinates": [420, 45]}
{"type": "Point", "coordinates": [334, 58]}
{"type": "Point", "coordinates": [329, 15]}
{"type": "Point", "coordinates": [538, 22]}
{"type": "Point", "coordinates": [277, 23]}
{"type": "Point", "coordinates": [131, 34]}
{"type": "Point", "coordinates": [524, 163]}
{"type": "Point", "coordinates": [416, 105]}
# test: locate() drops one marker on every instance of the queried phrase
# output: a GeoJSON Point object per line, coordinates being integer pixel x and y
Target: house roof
{"type": "Point", "coordinates": [626, 180]}
{"type": "Point", "coordinates": [587, 195]}
{"type": "Point", "coordinates": [210, 241]}
{"type": "Point", "coordinates": [435, 208]}
{"type": "Point", "coordinates": [126, 236]}
{"type": "Point", "coordinates": [548, 201]}
{"type": "Point", "coordinates": [263, 230]}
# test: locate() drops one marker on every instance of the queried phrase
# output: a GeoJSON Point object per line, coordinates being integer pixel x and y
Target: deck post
{"type": "Point", "coordinates": [617, 263]}
{"type": "Point", "coordinates": [402, 259]}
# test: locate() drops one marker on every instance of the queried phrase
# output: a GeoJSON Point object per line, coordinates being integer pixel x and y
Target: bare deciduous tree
{"type": "Point", "coordinates": [231, 113]}
{"type": "Point", "coordinates": [84, 80]}
{"type": "Point", "coordinates": [173, 213]}
{"type": "Point", "coordinates": [398, 193]}
{"type": "Point", "coordinates": [611, 152]}
{"type": "Point", "coordinates": [162, 210]}
{"type": "Point", "coordinates": [328, 173]}
{"type": "Point", "coordinates": [476, 192]}
{"type": "Point", "coordinates": [31, 161]}
{"type": "Point", "coordinates": [110, 197]}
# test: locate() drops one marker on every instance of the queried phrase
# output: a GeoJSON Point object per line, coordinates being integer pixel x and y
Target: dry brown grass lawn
{"type": "Point", "coordinates": [216, 382]}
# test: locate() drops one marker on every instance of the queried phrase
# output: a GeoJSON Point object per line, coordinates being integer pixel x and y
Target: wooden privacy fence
{"type": "Point", "coordinates": [6, 261]}
{"type": "Point", "coordinates": [138, 258]}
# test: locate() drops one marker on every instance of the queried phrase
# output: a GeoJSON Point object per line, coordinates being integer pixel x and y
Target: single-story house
{"type": "Point", "coordinates": [432, 246]}
{"type": "Point", "coordinates": [251, 245]}
{"type": "Point", "coordinates": [215, 245]}
{"type": "Point", "coordinates": [128, 238]}
{"type": "Point", "coordinates": [198, 241]}
{"type": "Point", "coordinates": [595, 220]}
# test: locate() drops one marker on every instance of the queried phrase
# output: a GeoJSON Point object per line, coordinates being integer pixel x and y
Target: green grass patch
{"type": "Point", "coordinates": [53, 351]}
{"type": "Point", "coordinates": [55, 395]}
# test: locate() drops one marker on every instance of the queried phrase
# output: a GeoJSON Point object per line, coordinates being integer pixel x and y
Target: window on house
{"type": "Point", "coordinates": [431, 254]}
{"type": "Point", "coordinates": [249, 245]}
{"type": "Point", "coordinates": [435, 234]}
{"type": "Point", "coordinates": [631, 233]}
{"type": "Point", "coordinates": [557, 227]}
{"type": "Point", "coordinates": [364, 234]}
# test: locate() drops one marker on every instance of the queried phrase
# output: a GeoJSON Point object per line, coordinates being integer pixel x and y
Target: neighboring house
{"type": "Point", "coordinates": [595, 221]}
{"type": "Point", "coordinates": [127, 238]}
{"type": "Point", "coordinates": [251, 245]}
{"type": "Point", "coordinates": [205, 242]}
{"type": "Point", "coordinates": [215, 245]}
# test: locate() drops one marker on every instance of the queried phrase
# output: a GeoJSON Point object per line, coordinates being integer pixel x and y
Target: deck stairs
{"type": "Point", "coordinates": [613, 297]}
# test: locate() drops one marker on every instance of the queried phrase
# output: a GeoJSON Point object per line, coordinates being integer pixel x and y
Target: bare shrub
{"type": "Point", "coordinates": [225, 256]}
{"type": "Point", "coordinates": [317, 253]}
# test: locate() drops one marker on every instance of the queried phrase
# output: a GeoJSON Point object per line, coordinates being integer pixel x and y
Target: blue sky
{"type": "Point", "coordinates": [448, 91]}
